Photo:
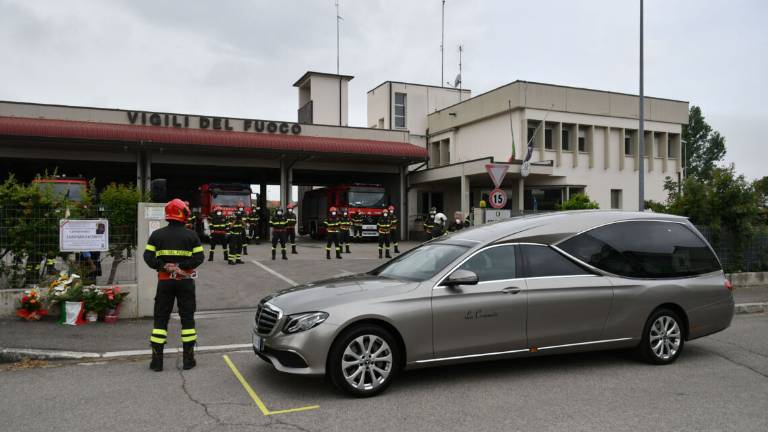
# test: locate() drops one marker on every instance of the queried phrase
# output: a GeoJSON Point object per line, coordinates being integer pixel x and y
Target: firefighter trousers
{"type": "Point", "coordinates": [357, 231]}
{"type": "Point", "coordinates": [384, 242]}
{"type": "Point", "coordinates": [219, 239]}
{"type": "Point", "coordinates": [333, 239]}
{"type": "Point", "coordinates": [278, 237]}
{"type": "Point", "coordinates": [182, 292]}
{"type": "Point", "coordinates": [235, 247]}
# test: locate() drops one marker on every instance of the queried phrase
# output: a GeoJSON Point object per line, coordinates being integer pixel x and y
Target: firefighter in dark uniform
{"type": "Point", "coordinates": [218, 227]}
{"type": "Point", "coordinates": [244, 235]}
{"type": "Point", "coordinates": [357, 226]}
{"type": "Point", "coordinates": [290, 227]}
{"type": "Point", "coordinates": [429, 222]}
{"type": "Point", "coordinates": [279, 224]}
{"type": "Point", "coordinates": [458, 224]}
{"type": "Point", "coordinates": [393, 229]}
{"type": "Point", "coordinates": [236, 233]}
{"type": "Point", "coordinates": [384, 228]}
{"type": "Point", "coordinates": [191, 221]}
{"type": "Point", "coordinates": [332, 228]}
{"type": "Point", "coordinates": [174, 252]}
{"type": "Point", "coordinates": [345, 224]}
{"type": "Point", "coordinates": [254, 219]}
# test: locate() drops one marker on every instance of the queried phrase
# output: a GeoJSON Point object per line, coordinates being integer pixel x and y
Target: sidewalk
{"type": "Point", "coordinates": [217, 330]}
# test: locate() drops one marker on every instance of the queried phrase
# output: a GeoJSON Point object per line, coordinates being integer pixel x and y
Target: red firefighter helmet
{"type": "Point", "coordinates": [391, 209]}
{"type": "Point", "coordinates": [332, 209]}
{"type": "Point", "coordinates": [177, 210]}
{"type": "Point", "coordinates": [291, 205]}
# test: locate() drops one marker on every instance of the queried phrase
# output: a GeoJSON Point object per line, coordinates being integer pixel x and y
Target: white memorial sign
{"type": "Point", "coordinates": [83, 235]}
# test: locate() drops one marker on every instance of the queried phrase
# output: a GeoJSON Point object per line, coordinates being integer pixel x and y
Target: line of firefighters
{"type": "Point", "coordinates": [233, 232]}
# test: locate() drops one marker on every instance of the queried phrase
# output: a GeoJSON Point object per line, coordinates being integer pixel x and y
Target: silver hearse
{"type": "Point", "coordinates": [547, 284]}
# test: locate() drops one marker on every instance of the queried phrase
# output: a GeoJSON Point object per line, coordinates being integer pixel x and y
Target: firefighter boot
{"type": "Point", "coordinates": [396, 249]}
{"type": "Point", "coordinates": [327, 254]}
{"type": "Point", "coordinates": [338, 252]}
{"type": "Point", "coordinates": [293, 249]}
{"type": "Point", "coordinates": [387, 255]}
{"type": "Point", "coordinates": [379, 253]}
{"type": "Point", "coordinates": [157, 357]}
{"type": "Point", "coordinates": [210, 256]}
{"type": "Point", "coordinates": [226, 255]}
{"type": "Point", "coordinates": [245, 250]}
{"type": "Point", "coordinates": [347, 246]}
{"type": "Point", "coordinates": [273, 254]}
{"type": "Point", "coordinates": [189, 356]}
{"type": "Point", "coordinates": [285, 257]}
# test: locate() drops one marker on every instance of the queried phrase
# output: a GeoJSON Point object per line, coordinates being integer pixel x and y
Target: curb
{"type": "Point", "coordinates": [750, 308]}
{"type": "Point", "coordinates": [11, 355]}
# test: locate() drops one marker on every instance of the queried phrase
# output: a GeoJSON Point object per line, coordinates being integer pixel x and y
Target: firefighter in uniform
{"type": "Point", "coordinates": [174, 252]}
{"type": "Point", "coordinates": [244, 235]}
{"type": "Point", "coordinates": [458, 224]}
{"type": "Point", "coordinates": [254, 219]}
{"type": "Point", "coordinates": [384, 228]}
{"type": "Point", "coordinates": [192, 221]}
{"type": "Point", "coordinates": [236, 233]}
{"type": "Point", "coordinates": [290, 227]}
{"type": "Point", "coordinates": [357, 226]}
{"type": "Point", "coordinates": [279, 224]}
{"type": "Point", "coordinates": [438, 229]}
{"type": "Point", "coordinates": [332, 228]}
{"type": "Point", "coordinates": [218, 228]}
{"type": "Point", "coordinates": [393, 231]}
{"type": "Point", "coordinates": [345, 223]}
{"type": "Point", "coordinates": [429, 222]}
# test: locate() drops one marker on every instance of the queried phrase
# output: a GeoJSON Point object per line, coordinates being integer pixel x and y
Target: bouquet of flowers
{"type": "Point", "coordinates": [31, 307]}
{"type": "Point", "coordinates": [114, 298]}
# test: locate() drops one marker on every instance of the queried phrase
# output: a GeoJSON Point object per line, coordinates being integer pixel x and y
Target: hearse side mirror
{"type": "Point", "coordinates": [461, 277]}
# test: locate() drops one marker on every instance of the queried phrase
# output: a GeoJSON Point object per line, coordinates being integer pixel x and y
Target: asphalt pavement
{"type": "Point", "coordinates": [720, 383]}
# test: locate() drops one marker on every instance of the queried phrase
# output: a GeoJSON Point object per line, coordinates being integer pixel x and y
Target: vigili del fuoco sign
{"type": "Point", "coordinates": [214, 123]}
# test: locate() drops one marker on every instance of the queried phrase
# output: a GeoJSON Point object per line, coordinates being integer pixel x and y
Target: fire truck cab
{"type": "Point", "coordinates": [366, 199]}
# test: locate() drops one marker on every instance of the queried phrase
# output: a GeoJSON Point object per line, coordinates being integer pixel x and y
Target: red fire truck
{"type": "Point", "coordinates": [63, 187]}
{"type": "Point", "coordinates": [228, 197]}
{"type": "Point", "coordinates": [367, 199]}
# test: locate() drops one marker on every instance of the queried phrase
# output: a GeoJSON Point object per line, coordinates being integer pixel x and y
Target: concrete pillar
{"type": "Point", "coordinates": [574, 138]}
{"type": "Point", "coordinates": [591, 145]}
{"type": "Point", "coordinates": [263, 227]}
{"type": "Point", "coordinates": [557, 142]}
{"type": "Point", "coordinates": [540, 140]}
{"type": "Point", "coordinates": [403, 205]}
{"type": "Point", "coordinates": [465, 188]}
{"type": "Point", "coordinates": [606, 147]}
{"type": "Point", "coordinates": [285, 183]}
{"type": "Point", "coordinates": [622, 155]}
{"type": "Point", "coordinates": [664, 151]}
{"type": "Point", "coordinates": [650, 151]}
{"type": "Point", "coordinates": [147, 171]}
{"type": "Point", "coordinates": [636, 148]}
{"type": "Point", "coordinates": [520, 195]}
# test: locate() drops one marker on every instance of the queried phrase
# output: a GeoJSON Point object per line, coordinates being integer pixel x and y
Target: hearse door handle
{"type": "Point", "coordinates": [511, 290]}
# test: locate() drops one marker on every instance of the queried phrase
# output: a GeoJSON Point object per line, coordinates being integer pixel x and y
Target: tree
{"type": "Point", "coordinates": [120, 201]}
{"type": "Point", "coordinates": [703, 147]}
{"type": "Point", "coordinates": [578, 202]}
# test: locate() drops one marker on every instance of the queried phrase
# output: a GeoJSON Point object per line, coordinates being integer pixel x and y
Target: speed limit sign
{"type": "Point", "coordinates": [498, 198]}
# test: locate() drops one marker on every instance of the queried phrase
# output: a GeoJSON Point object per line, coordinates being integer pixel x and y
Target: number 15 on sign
{"type": "Point", "coordinates": [498, 198]}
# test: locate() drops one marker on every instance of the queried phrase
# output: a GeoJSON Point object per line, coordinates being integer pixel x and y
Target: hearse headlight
{"type": "Point", "coordinates": [303, 321]}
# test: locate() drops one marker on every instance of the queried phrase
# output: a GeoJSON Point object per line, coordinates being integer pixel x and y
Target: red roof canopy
{"type": "Point", "coordinates": [31, 127]}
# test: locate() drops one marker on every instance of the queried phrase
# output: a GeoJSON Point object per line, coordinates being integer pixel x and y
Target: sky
{"type": "Point", "coordinates": [239, 58]}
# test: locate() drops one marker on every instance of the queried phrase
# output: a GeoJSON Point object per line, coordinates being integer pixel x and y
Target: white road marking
{"type": "Point", "coordinates": [292, 282]}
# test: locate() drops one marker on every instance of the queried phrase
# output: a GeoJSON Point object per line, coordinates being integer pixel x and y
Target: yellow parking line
{"type": "Point", "coordinates": [256, 398]}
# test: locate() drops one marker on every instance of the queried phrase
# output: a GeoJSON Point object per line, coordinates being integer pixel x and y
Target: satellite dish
{"type": "Point", "coordinates": [457, 80]}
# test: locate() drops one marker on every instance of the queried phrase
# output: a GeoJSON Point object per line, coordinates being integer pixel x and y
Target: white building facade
{"type": "Point", "coordinates": [585, 141]}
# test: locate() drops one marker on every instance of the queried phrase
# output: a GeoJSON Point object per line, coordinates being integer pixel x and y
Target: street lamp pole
{"type": "Point", "coordinates": [641, 140]}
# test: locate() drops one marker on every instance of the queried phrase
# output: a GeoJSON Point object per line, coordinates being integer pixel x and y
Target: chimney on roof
{"type": "Point", "coordinates": [323, 98]}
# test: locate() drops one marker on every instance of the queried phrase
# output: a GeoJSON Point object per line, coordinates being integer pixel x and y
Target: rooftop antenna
{"type": "Point", "coordinates": [457, 82]}
{"type": "Point", "coordinates": [338, 19]}
{"type": "Point", "coordinates": [442, 54]}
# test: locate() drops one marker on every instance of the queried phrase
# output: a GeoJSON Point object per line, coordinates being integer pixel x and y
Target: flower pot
{"type": "Point", "coordinates": [91, 316]}
{"type": "Point", "coordinates": [111, 315]}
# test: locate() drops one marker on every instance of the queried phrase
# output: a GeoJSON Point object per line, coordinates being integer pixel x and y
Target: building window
{"type": "Point", "coordinates": [616, 198]}
{"type": "Point", "coordinates": [381, 123]}
{"type": "Point", "coordinates": [400, 100]}
{"type": "Point", "coordinates": [531, 132]}
{"type": "Point", "coordinates": [445, 152]}
{"type": "Point", "coordinates": [566, 145]}
{"type": "Point", "coordinates": [672, 148]}
{"type": "Point", "coordinates": [548, 139]}
{"type": "Point", "coordinates": [628, 145]}
{"type": "Point", "coordinates": [582, 141]}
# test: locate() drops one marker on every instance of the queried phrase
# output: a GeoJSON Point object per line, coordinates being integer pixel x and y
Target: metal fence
{"type": "Point", "coordinates": [30, 255]}
{"type": "Point", "coordinates": [752, 256]}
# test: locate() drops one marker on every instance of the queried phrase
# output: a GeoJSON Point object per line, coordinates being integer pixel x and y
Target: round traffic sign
{"type": "Point", "coordinates": [498, 198]}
